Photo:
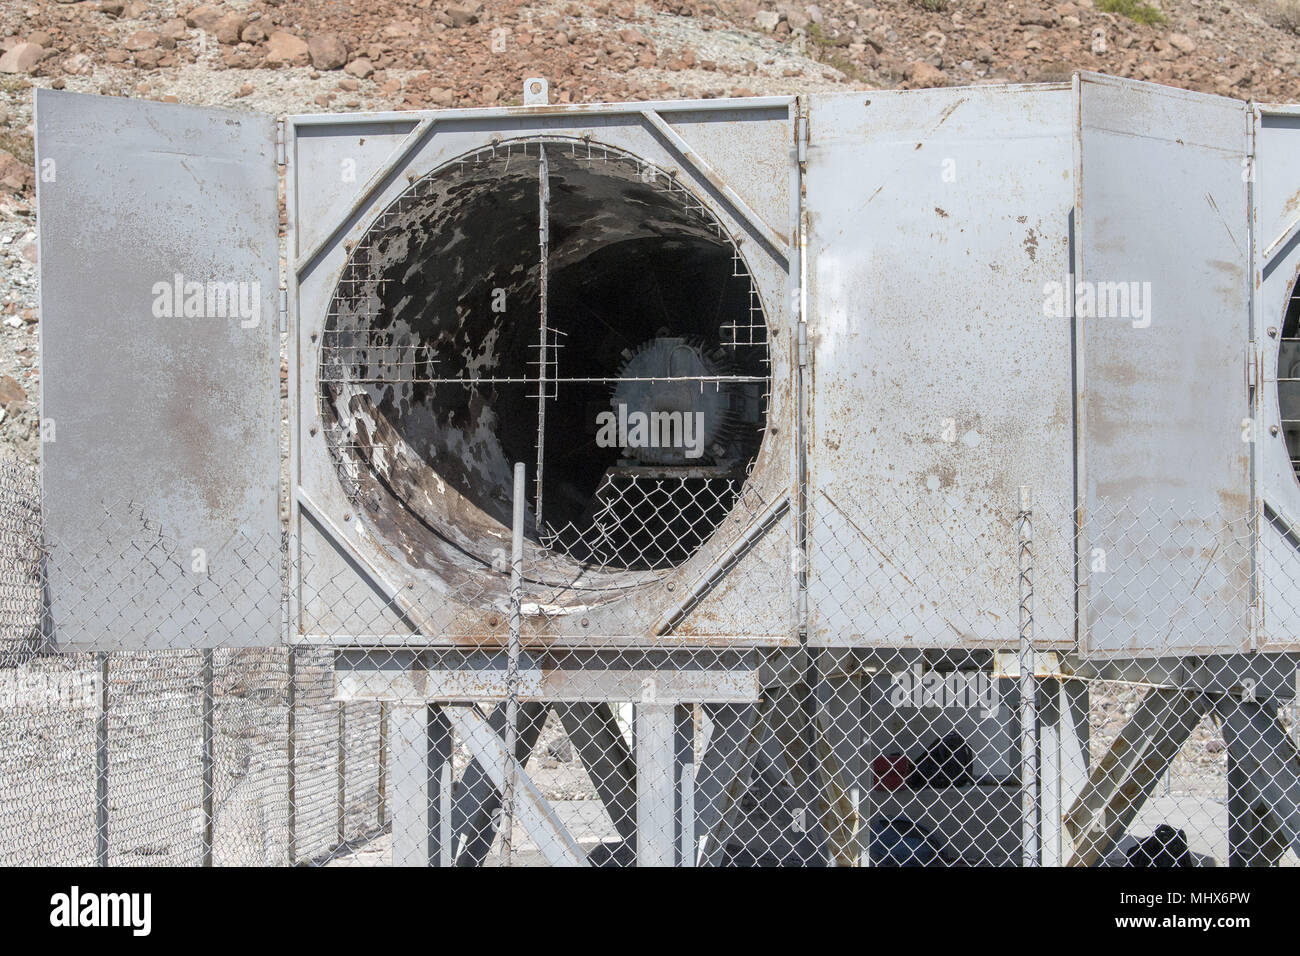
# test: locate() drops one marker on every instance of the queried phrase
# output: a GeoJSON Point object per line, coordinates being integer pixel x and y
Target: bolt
{"type": "Point", "coordinates": [1272, 429]}
{"type": "Point", "coordinates": [1272, 331]}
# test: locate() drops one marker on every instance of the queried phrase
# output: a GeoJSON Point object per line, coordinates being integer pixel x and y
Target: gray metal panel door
{"type": "Point", "coordinates": [1162, 311]}
{"type": "Point", "coordinates": [160, 372]}
{"type": "Point", "coordinates": [940, 383]}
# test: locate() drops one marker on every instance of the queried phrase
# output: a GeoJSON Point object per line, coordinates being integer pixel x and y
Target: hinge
{"type": "Point", "coordinates": [803, 344]}
{"type": "Point", "coordinates": [284, 310]}
{"type": "Point", "coordinates": [801, 137]}
{"type": "Point", "coordinates": [1252, 369]}
{"type": "Point", "coordinates": [279, 142]}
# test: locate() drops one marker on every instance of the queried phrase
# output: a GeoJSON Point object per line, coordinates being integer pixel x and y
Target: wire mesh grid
{"type": "Point", "coordinates": [894, 735]}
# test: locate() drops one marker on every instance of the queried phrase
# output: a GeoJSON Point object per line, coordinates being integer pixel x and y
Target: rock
{"type": "Point", "coordinates": [253, 34]}
{"type": "Point", "coordinates": [1182, 42]}
{"type": "Point", "coordinates": [441, 97]}
{"type": "Point", "coordinates": [11, 393]}
{"type": "Point", "coordinates": [360, 68]}
{"type": "Point", "coordinates": [922, 74]}
{"type": "Point", "coordinates": [204, 17]}
{"type": "Point", "coordinates": [244, 90]}
{"type": "Point", "coordinates": [327, 51]}
{"type": "Point", "coordinates": [229, 28]}
{"type": "Point", "coordinates": [21, 58]}
{"type": "Point", "coordinates": [767, 20]}
{"type": "Point", "coordinates": [462, 16]}
{"type": "Point", "coordinates": [174, 29]}
{"type": "Point", "coordinates": [400, 30]}
{"type": "Point", "coordinates": [1039, 18]}
{"type": "Point", "coordinates": [1098, 41]}
{"type": "Point", "coordinates": [285, 49]}
{"type": "Point", "coordinates": [79, 64]}
{"type": "Point", "coordinates": [140, 40]}
{"type": "Point", "coordinates": [112, 8]}
{"type": "Point", "coordinates": [15, 176]}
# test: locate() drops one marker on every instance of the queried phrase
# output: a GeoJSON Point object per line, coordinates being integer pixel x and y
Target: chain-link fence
{"type": "Point", "coordinates": [908, 682]}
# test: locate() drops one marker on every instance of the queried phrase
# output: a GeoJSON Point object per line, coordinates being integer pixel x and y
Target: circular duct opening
{"type": "Point", "coordinates": [556, 303]}
{"type": "Point", "coordinates": [1288, 379]}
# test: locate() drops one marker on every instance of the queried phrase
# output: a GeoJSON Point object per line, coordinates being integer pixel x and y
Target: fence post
{"type": "Point", "coordinates": [1028, 688]}
{"type": "Point", "coordinates": [205, 850]}
{"type": "Point", "coordinates": [341, 765]}
{"type": "Point", "coordinates": [101, 763]}
{"type": "Point", "coordinates": [381, 811]}
{"type": "Point", "coordinates": [290, 755]}
{"type": "Point", "coordinates": [512, 664]}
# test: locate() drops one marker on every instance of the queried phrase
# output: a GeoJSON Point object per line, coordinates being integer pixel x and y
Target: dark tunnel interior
{"type": "Point", "coordinates": [431, 385]}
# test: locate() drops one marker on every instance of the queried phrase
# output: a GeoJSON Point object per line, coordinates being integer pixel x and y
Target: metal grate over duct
{"type": "Point", "coordinates": [1288, 379]}
{"type": "Point", "coordinates": [529, 301]}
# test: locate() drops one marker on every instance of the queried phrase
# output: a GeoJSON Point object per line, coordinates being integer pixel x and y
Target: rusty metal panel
{"type": "Point", "coordinates": [160, 373]}
{"type": "Point", "coordinates": [940, 383]}
{"type": "Point", "coordinates": [1276, 194]}
{"type": "Point", "coordinates": [1162, 309]}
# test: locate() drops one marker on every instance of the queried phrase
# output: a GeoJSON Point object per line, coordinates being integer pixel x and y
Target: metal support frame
{"type": "Point", "coordinates": [1266, 772]}
{"type": "Point", "coordinates": [664, 745]}
{"type": "Point", "coordinates": [595, 736]}
{"type": "Point", "coordinates": [1063, 735]}
{"type": "Point", "coordinates": [423, 745]}
{"type": "Point", "coordinates": [477, 800]}
{"type": "Point", "coordinates": [723, 777]}
{"type": "Point", "coordinates": [1124, 777]}
{"type": "Point", "coordinates": [553, 840]}
{"type": "Point", "coordinates": [1253, 838]}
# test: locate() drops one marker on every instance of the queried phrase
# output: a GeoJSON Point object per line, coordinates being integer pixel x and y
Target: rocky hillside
{"type": "Point", "coordinates": [301, 55]}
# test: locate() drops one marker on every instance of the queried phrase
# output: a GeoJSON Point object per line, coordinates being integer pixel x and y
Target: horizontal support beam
{"type": "Point", "coordinates": [408, 676]}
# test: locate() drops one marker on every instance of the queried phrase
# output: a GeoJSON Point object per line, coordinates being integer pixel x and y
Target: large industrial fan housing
{"type": "Point", "coordinates": [743, 347]}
